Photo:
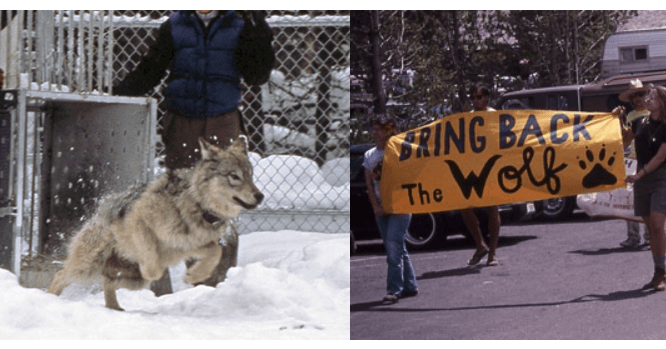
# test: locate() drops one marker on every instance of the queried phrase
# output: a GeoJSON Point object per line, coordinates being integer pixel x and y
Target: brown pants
{"type": "Point", "coordinates": [181, 135]}
{"type": "Point", "coordinates": [181, 140]}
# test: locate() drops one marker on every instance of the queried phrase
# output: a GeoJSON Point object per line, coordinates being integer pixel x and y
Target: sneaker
{"type": "Point", "coordinates": [631, 242]}
{"type": "Point", "coordinates": [407, 294]}
{"type": "Point", "coordinates": [660, 287]}
{"type": "Point", "coordinates": [390, 299]}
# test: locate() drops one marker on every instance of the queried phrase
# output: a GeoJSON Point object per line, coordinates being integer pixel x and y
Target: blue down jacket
{"type": "Point", "coordinates": [201, 82]}
{"type": "Point", "coordinates": [204, 78]}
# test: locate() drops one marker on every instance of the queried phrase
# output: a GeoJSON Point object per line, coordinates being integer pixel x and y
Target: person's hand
{"type": "Point", "coordinates": [379, 211]}
{"type": "Point", "coordinates": [634, 178]}
{"type": "Point", "coordinates": [621, 112]}
{"type": "Point", "coordinates": [631, 179]}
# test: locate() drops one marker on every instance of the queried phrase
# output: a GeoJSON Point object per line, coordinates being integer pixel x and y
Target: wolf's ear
{"type": "Point", "coordinates": [205, 148]}
{"type": "Point", "coordinates": [240, 144]}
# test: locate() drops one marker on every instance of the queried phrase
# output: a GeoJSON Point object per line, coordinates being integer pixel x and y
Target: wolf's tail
{"type": "Point", "coordinates": [89, 250]}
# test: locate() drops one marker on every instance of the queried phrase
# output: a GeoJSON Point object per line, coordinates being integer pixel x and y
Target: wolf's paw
{"type": "Point", "coordinates": [194, 278]}
{"type": "Point", "coordinates": [151, 272]}
{"type": "Point", "coordinates": [115, 307]}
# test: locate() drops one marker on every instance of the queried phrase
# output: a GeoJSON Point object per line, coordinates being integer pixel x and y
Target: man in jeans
{"type": "Point", "coordinates": [400, 279]}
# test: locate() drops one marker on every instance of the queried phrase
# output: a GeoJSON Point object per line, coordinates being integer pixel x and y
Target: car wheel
{"type": "Point", "coordinates": [353, 243]}
{"type": "Point", "coordinates": [558, 208]}
{"type": "Point", "coordinates": [425, 231]}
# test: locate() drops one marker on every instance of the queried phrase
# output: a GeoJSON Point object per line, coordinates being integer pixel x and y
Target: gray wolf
{"type": "Point", "coordinates": [180, 215]}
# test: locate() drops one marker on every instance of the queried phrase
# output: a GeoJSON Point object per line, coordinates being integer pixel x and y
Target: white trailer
{"type": "Point", "coordinates": [635, 51]}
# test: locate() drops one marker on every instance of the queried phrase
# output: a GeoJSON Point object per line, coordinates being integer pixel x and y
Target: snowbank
{"type": "Point", "coordinates": [288, 285]}
{"type": "Point", "coordinates": [297, 183]}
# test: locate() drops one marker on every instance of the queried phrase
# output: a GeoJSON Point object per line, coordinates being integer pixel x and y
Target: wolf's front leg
{"type": "Point", "coordinates": [229, 260]}
{"type": "Point", "coordinates": [208, 255]}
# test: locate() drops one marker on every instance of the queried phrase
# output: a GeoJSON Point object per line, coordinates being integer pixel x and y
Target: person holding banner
{"type": "Point", "coordinates": [479, 94]}
{"type": "Point", "coordinates": [650, 179]}
{"type": "Point", "coordinates": [401, 280]}
{"type": "Point", "coordinates": [635, 95]}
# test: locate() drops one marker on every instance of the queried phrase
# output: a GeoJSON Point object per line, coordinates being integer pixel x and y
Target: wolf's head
{"type": "Point", "coordinates": [223, 181]}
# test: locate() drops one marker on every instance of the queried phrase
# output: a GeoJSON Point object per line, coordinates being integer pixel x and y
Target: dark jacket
{"type": "Point", "coordinates": [203, 81]}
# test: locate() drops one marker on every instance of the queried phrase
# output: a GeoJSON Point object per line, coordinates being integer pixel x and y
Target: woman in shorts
{"type": "Point", "coordinates": [649, 181]}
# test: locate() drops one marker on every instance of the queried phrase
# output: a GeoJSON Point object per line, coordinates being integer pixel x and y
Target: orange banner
{"type": "Point", "coordinates": [498, 157]}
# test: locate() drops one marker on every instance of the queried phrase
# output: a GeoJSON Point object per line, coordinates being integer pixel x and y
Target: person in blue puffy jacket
{"type": "Point", "coordinates": [206, 53]}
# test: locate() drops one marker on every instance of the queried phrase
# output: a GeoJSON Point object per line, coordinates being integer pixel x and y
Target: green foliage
{"type": "Point", "coordinates": [360, 129]}
{"type": "Point", "coordinates": [563, 47]}
{"type": "Point", "coordinates": [451, 50]}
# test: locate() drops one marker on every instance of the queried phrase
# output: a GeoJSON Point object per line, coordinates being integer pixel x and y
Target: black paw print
{"type": "Point", "coordinates": [598, 175]}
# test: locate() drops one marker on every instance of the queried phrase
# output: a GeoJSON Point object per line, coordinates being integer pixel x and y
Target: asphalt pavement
{"type": "Point", "coordinates": [557, 280]}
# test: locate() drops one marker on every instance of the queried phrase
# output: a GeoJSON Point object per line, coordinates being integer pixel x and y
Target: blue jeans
{"type": "Point", "coordinates": [400, 276]}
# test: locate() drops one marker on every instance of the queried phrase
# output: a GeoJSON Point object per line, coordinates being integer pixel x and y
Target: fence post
{"type": "Point", "coordinates": [8, 214]}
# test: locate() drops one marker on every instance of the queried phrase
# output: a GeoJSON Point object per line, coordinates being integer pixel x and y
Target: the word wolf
{"type": "Point", "coordinates": [180, 215]}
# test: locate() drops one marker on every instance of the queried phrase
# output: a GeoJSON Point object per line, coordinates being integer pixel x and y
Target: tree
{"type": "Point", "coordinates": [447, 50]}
{"type": "Point", "coordinates": [376, 68]}
{"type": "Point", "coordinates": [450, 50]}
{"type": "Point", "coordinates": [563, 47]}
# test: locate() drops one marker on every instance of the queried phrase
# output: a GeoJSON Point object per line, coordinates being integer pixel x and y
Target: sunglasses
{"type": "Point", "coordinates": [477, 97]}
{"type": "Point", "coordinates": [639, 94]}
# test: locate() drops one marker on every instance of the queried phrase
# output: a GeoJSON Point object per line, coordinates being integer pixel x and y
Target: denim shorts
{"type": "Point", "coordinates": [650, 193]}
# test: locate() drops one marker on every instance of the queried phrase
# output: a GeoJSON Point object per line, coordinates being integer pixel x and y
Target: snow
{"type": "Point", "coordinates": [297, 183]}
{"type": "Point", "coordinates": [292, 182]}
{"type": "Point", "coordinates": [288, 285]}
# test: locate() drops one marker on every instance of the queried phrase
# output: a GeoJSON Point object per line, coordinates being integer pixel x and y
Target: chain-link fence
{"type": "Point", "coordinates": [308, 92]}
{"type": "Point", "coordinates": [304, 108]}
{"type": "Point", "coordinates": [297, 123]}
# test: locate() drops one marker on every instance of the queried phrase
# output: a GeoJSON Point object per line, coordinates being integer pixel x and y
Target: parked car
{"type": "Point", "coordinates": [427, 230]}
